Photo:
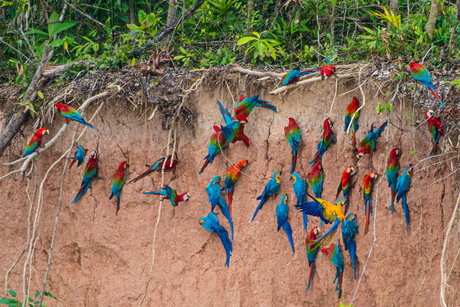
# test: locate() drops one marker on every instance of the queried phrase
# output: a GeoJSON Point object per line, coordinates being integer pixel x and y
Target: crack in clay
{"type": "Point", "coordinates": [266, 140]}
{"type": "Point", "coordinates": [442, 208]}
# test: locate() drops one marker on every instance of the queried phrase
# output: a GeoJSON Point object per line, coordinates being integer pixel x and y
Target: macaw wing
{"type": "Point", "coordinates": [289, 76]}
{"type": "Point", "coordinates": [337, 258]}
{"type": "Point", "coordinates": [327, 237]}
{"type": "Point", "coordinates": [223, 235]}
{"type": "Point", "coordinates": [225, 211]}
{"type": "Point", "coordinates": [312, 208]}
{"type": "Point", "coordinates": [225, 113]}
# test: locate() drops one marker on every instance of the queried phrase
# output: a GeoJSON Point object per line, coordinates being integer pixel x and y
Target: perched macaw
{"type": "Point", "coordinates": [211, 223]}
{"type": "Point", "coordinates": [402, 186]}
{"type": "Point", "coordinates": [232, 176]}
{"type": "Point", "coordinates": [315, 179]}
{"type": "Point", "coordinates": [421, 74]}
{"type": "Point", "coordinates": [349, 230]}
{"type": "Point", "coordinates": [292, 133]}
{"type": "Point", "coordinates": [157, 167]}
{"type": "Point", "coordinates": [117, 182]}
{"type": "Point", "coordinates": [167, 192]}
{"type": "Point", "coordinates": [35, 142]}
{"type": "Point", "coordinates": [392, 173]}
{"type": "Point", "coordinates": [215, 198]}
{"type": "Point", "coordinates": [326, 139]}
{"type": "Point", "coordinates": [79, 156]}
{"type": "Point", "coordinates": [233, 130]}
{"type": "Point", "coordinates": [271, 188]}
{"type": "Point", "coordinates": [368, 183]}
{"type": "Point", "coordinates": [327, 71]}
{"type": "Point", "coordinates": [245, 107]}
{"type": "Point", "coordinates": [435, 127]}
{"type": "Point", "coordinates": [71, 114]}
{"type": "Point", "coordinates": [345, 186]}
{"type": "Point", "coordinates": [89, 174]}
{"type": "Point", "coordinates": [216, 144]}
{"type": "Point", "coordinates": [368, 143]}
{"type": "Point", "coordinates": [336, 257]}
{"type": "Point", "coordinates": [282, 211]}
{"type": "Point", "coordinates": [300, 188]}
{"type": "Point", "coordinates": [352, 110]}
{"type": "Point", "coordinates": [242, 97]}
{"type": "Point", "coordinates": [294, 75]}
{"type": "Point", "coordinates": [312, 252]}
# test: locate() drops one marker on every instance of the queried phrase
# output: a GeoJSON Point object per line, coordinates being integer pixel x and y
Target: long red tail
{"type": "Point", "coordinates": [354, 139]}
{"type": "Point", "coordinates": [73, 162]}
{"type": "Point", "coordinates": [294, 161]}
{"type": "Point", "coordinates": [204, 165]}
{"type": "Point", "coordinates": [435, 94]}
{"type": "Point", "coordinates": [230, 198]}
{"type": "Point", "coordinates": [118, 206]}
{"type": "Point", "coordinates": [432, 149]}
{"type": "Point", "coordinates": [366, 225]}
{"type": "Point", "coordinates": [312, 268]}
{"type": "Point", "coordinates": [147, 172]}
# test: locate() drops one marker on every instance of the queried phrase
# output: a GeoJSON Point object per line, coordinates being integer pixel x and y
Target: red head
{"type": "Point", "coordinates": [59, 106]}
{"type": "Point", "coordinates": [41, 132]}
{"type": "Point", "coordinates": [328, 250]}
{"type": "Point", "coordinates": [184, 197]}
{"type": "Point", "coordinates": [349, 170]}
{"type": "Point", "coordinates": [360, 153]}
{"type": "Point", "coordinates": [373, 175]}
{"type": "Point", "coordinates": [312, 235]}
{"type": "Point", "coordinates": [317, 166]}
{"type": "Point", "coordinates": [291, 120]}
{"type": "Point", "coordinates": [241, 164]}
{"type": "Point", "coordinates": [394, 153]}
{"type": "Point", "coordinates": [328, 123]}
{"type": "Point", "coordinates": [413, 64]}
{"type": "Point", "coordinates": [93, 155]}
{"type": "Point", "coordinates": [123, 165]}
{"type": "Point", "coordinates": [429, 114]}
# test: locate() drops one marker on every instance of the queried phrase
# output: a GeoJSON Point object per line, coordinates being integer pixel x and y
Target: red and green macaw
{"type": "Point", "coordinates": [245, 107]}
{"type": "Point", "coordinates": [368, 143]}
{"type": "Point", "coordinates": [349, 230]}
{"type": "Point", "coordinates": [158, 166]}
{"type": "Point", "coordinates": [368, 183]}
{"type": "Point", "coordinates": [392, 173]}
{"type": "Point", "coordinates": [326, 140]}
{"type": "Point", "coordinates": [232, 176]}
{"type": "Point", "coordinates": [294, 75]}
{"type": "Point", "coordinates": [167, 192]}
{"type": "Point", "coordinates": [215, 198]}
{"type": "Point", "coordinates": [335, 256]}
{"type": "Point", "coordinates": [35, 142]}
{"type": "Point", "coordinates": [300, 188]}
{"type": "Point", "coordinates": [282, 211]}
{"type": "Point", "coordinates": [211, 223]}
{"type": "Point", "coordinates": [402, 186]}
{"type": "Point", "coordinates": [71, 114]}
{"type": "Point", "coordinates": [79, 156]}
{"type": "Point", "coordinates": [327, 71]}
{"type": "Point", "coordinates": [435, 127]}
{"type": "Point", "coordinates": [233, 130]}
{"type": "Point", "coordinates": [421, 74]}
{"type": "Point", "coordinates": [88, 176]}
{"type": "Point", "coordinates": [345, 185]}
{"type": "Point", "coordinates": [271, 188]}
{"type": "Point", "coordinates": [292, 133]}
{"type": "Point", "coordinates": [312, 252]}
{"type": "Point", "coordinates": [315, 179]}
{"type": "Point", "coordinates": [352, 110]}
{"type": "Point", "coordinates": [117, 182]}
{"type": "Point", "coordinates": [216, 144]}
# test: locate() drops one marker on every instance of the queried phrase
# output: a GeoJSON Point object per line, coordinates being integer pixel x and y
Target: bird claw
{"type": "Point", "coordinates": [162, 198]}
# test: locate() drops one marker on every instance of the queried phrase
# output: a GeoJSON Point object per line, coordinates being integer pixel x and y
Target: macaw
{"type": "Point", "coordinates": [292, 133]}
{"type": "Point", "coordinates": [300, 188]}
{"type": "Point", "coordinates": [211, 223]}
{"type": "Point", "coordinates": [245, 107]}
{"type": "Point", "coordinates": [345, 186]}
{"type": "Point", "coordinates": [327, 71]}
{"type": "Point", "coordinates": [349, 230]}
{"type": "Point", "coordinates": [368, 143]}
{"type": "Point", "coordinates": [158, 166]}
{"type": "Point", "coordinates": [312, 252]}
{"type": "Point", "coordinates": [242, 96]}
{"type": "Point", "coordinates": [352, 110]}
{"type": "Point", "coordinates": [402, 186]}
{"type": "Point", "coordinates": [35, 142]}
{"type": "Point", "coordinates": [89, 174]}
{"type": "Point", "coordinates": [335, 256]}
{"type": "Point", "coordinates": [167, 192]}
{"type": "Point", "coordinates": [79, 156]}
{"type": "Point", "coordinates": [435, 127]}
{"type": "Point", "coordinates": [282, 211]}
{"type": "Point", "coordinates": [233, 130]}
{"type": "Point", "coordinates": [271, 188]}
{"type": "Point", "coordinates": [71, 114]}
{"type": "Point", "coordinates": [315, 179]}
{"type": "Point", "coordinates": [216, 144]}
{"type": "Point", "coordinates": [421, 74]}
{"type": "Point", "coordinates": [326, 139]}
{"type": "Point", "coordinates": [294, 75]}
{"type": "Point", "coordinates": [392, 173]}
{"type": "Point", "coordinates": [368, 183]}
{"type": "Point", "coordinates": [232, 176]}
{"type": "Point", "coordinates": [117, 183]}
{"type": "Point", "coordinates": [215, 198]}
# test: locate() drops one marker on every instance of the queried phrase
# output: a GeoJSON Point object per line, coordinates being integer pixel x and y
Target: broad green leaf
{"type": "Point", "coordinates": [62, 26]}
{"type": "Point", "coordinates": [12, 293]}
{"type": "Point", "coordinates": [31, 106]}
{"type": "Point", "coordinates": [142, 16]}
{"type": "Point", "coordinates": [56, 42]}
{"type": "Point", "coordinates": [40, 94]}
{"type": "Point", "coordinates": [182, 50]}
{"type": "Point", "coordinates": [256, 34]}
{"type": "Point", "coordinates": [37, 294]}
{"type": "Point", "coordinates": [4, 300]}
{"type": "Point", "coordinates": [34, 31]}
{"type": "Point", "coordinates": [245, 40]}
{"type": "Point", "coordinates": [379, 108]}
{"type": "Point", "coordinates": [388, 106]}
{"type": "Point", "coordinates": [29, 299]}
{"type": "Point", "coordinates": [413, 153]}
{"type": "Point", "coordinates": [52, 23]}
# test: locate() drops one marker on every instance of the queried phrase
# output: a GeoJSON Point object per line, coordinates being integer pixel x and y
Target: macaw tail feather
{"type": "Point", "coordinates": [367, 210]}
{"type": "Point", "coordinates": [118, 204]}
{"type": "Point", "coordinates": [340, 283]}
{"type": "Point", "coordinates": [354, 139]}
{"type": "Point", "coordinates": [84, 122]}
{"type": "Point", "coordinates": [225, 211]}
{"type": "Point", "coordinates": [146, 173]}
{"type": "Point", "coordinates": [393, 194]}
{"type": "Point", "coordinates": [305, 220]}
{"type": "Point", "coordinates": [352, 251]}
{"type": "Point", "coordinates": [73, 162]}
{"type": "Point", "coordinates": [316, 158]}
{"type": "Point", "coordinates": [345, 210]}
{"type": "Point", "coordinates": [223, 235]}
{"type": "Point", "coordinates": [205, 164]}
{"type": "Point", "coordinates": [406, 211]}
{"type": "Point", "coordinates": [82, 192]}
{"type": "Point", "coordinates": [294, 161]}
{"type": "Point", "coordinates": [312, 272]}
{"type": "Point", "coordinates": [288, 230]}
{"type": "Point", "coordinates": [432, 149]}
{"type": "Point", "coordinates": [266, 105]}
{"type": "Point", "coordinates": [262, 202]}
{"type": "Point", "coordinates": [437, 97]}
{"type": "Point", "coordinates": [230, 198]}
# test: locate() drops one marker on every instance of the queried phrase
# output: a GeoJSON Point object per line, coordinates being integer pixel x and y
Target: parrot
{"type": "Point", "coordinates": [352, 110]}
{"type": "Point", "coordinates": [216, 144]}
{"type": "Point", "coordinates": [421, 74]}
{"type": "Point", "coordinates": [368, 183]}
{"type": "Point", "coordinates": [271, 188]}
{"type": "Point", "coordinates": [392, 173]}
{"type": "Point", "coordinates": [300, 187]}
{"type": "Point", "coordinates": [345, 185]}
{"type": "Point", "coordinates": [312, 252]}
{"type": "Point", "coordinates": [335, 256]}
{"type": "Point", "coordinates": [167, 192]}
{"type": "Point", "coordinates": [326, 140]}
{"type": "Point", "coordinates": [282, 211]}
{"type": "Point", "coordinates": [327, 71]}
{"type": "Point", "coordinates": [117, 182]}
{"type": "Point", "coordinates": [215, 198]}
{"type": "Point", "coordinates": [211, 223]}
{"type": "Point", "coordinates": [89, 174]}
{"type": "Point", "coordinates": [79, 156]}
{"type": "Point", "coordinates": [435, 128]}
{"type": "Point", "coordinates": [368, 143]}
{"type": "Point", "coordinates": [233, 130]}
{"type": "Point", "coordinates": [294, 75]}
{"type": "Point", "coordinates": [245, 107]}
{"type": "Point", "coordinates": [157, 167]}
{"type": "Point", "coordinates": [292, 133]}
{"type": "Point", "coordinates": [349, 230]}
{"type": "Point", "coordinates": [35, 142]}
{"type": "Point", "coordinates": [232, 176]}
{"type": "Point", "coordinates": [242, 97]}
{"type": "Point", "coordinates": [402, 186]}
{"type": "Point", "coordinates": [315, 179]}
{"type": "Point", "coordinates": [71, 114]}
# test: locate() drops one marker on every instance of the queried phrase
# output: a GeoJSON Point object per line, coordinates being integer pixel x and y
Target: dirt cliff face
{"type": "Point", "coordinates": [101, 258]}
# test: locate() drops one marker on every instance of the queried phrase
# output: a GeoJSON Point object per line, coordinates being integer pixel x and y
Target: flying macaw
{"type": "Point", "coordinates": [326, 140]}
{"type": "Point", "coordinates": [292, 133]}
{"type": "Point", "coordinates": [233, 130]}
{"type": "Point", "coordinates": [245, 107]}
{"type": "Point", "coordinates": [435, 127]}
{"type": "Point", "coordinates": [282, 211]}
{"type": "Point", "coordinates": [79, 156]}
{"type": "Point", "coordinates": [402, 186]}
{"type": "Point", "coordinates": [167, 192]}
{"type": "Point", "coordinates": [216, 144]}
{"type": "Point", "coordinates": [327, 71]}
{"type": "Point", "coordinates": [211, 223]}
{"type": "Point", "coordinates": [345, 186]}
{"type": "Point", "coordinates": [89, 174]}
{"type": "Point", "coordinates": [368, 183]}
{"type": "Point", "coordinates": [368, 143]}
{"type": "Point", "coordinates": [392, 173]}
{"type": "Point", "coordinates": [294, 75]}
{"type": "Point", "coordinates": [117, 182]}
{"type": "Point", "coordinates": [421, 74]}
{"type": "Point", "coordinates": [300, 188]}
{"type": "Point", "coordinates": [271, 188]}
{"type": "Point", "coordinates": [35, 142]}
{"type": "Point", "coordinates": [312, 252]}
{"type": "Point", "coordinates": [215, 198]}
{"type": "Point", "coordinates": [336, 257]}
{"type": "Point", "coordinates": [315, 179]}
{"type": "Point", "coordinates": [71, 114]}
{"type": "Point", "coordinates": [158, 166]}
{"type": "Point", "coordinates": [349, 230]}
{"type": "Point", "coordinates": [352, 110]}
{"type": "Point", "coordinates": [232, 176]}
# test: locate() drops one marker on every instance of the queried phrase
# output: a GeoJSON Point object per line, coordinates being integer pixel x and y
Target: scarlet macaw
{"type": "Point", "coordinates": [368, 183]}
{"type": "Point", "coordinates": [157, 167]}
{"type": "Point", "coordinates": [327, 71]}
{"type": "Point", "coordinates": [292, 133]}
{"type": "Point", "coordinates": [245, 107]}
{"type": "Point", "coordinates": [368, 143]}
{"type": "Point", "coordinates": [71, 114]}
{"type": "Point", "coordinates": [271, 188]}
{"type": "Point", "coordinates": [435, 127]}
{"type": "Point", "coordinates": [211, 223]}
{"type": "Point", "coordinates": [402, 186]}
{"type": "Point", "coordinates": [117, 182]}
{"type": "Point", "coordinates": [345, 186]}
{"type": "Point", "coordinates": [88, 176]}
{"type": "Point", "coordinates": [167, 192]}
{"type": "Point", "coordinates": [282, 211]}
{"type": "Point", "coordinates": [232, 176]}
{"type": "Point", "coordinates": [421, 74]}
{"type": "Point", "coordinates": [35, 142]}
{"type": "Point", "coordinates": [349, 230]}
{"type": "Point", "coordinates": [392, 173]}
{"type": "Point", "coordinates": [336, 257]}
{"type": "Point", "coordinates": [352, 113]}
{"type": "Point", "coordinates": [326, 140]}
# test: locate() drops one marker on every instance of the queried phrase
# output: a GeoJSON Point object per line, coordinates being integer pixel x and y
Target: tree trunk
{"type": "Point", "coordinates": [432, 20]}
{"type": "Point", "coordinates": [457, 11]}
{"type": "Point", "coordinates": [172, 16]}
{"type": "Point", "coordinates": [132, 12]}
{"type": "Point", "coordinates": [333, 12]}
{"type": "Point", "coordinates": [251, 6]}
{"type": "Point", "coordinates": [394, 6]}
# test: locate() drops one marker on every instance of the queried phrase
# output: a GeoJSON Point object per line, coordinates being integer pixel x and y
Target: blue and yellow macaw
{"type": "Point", "coordinates": [282, 211]}
{"type": "Point", "coordinates": [233, 130]}
{"type": "Point", "coordinates": [271, 188]}
{"type": "Point", "coordinates": [349, 230]}
{"type": "Point", "coordinates": [211, 223]}
{"type": "Point", "coordinates": [335, 256]}
{"type": "Point", "coordinates": [215, 198]}
{"type": "Point", "coordinates": [300, 188]}
{"type": "Point", "coordinates": [402, 186]}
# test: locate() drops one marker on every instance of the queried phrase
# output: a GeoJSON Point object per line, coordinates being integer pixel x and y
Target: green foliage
{"type": "Point", "coordinates": [261, 47]}
{"type": "Point", "coordinates": [12, 302]}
